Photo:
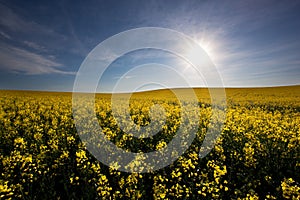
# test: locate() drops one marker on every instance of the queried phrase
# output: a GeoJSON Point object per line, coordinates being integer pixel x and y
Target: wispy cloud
{"type": "Point", "coordinates": [29, 46]}
{"type": "Point", "coordinates": [5, 35]}
{"type": "Point", "coordinates": [39, 36]}
{"type": "Point", "coordinates": [125, 77]}
{"type": "Point", "coordinates": [14, 22]}
{"type": "Point", "coordinates": [34, 46]}
{"type": "Point", "coordinates": [17, 60]}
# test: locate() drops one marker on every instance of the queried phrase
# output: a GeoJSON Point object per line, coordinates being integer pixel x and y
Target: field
{"type": "Point", "coordinates": [256, 157]}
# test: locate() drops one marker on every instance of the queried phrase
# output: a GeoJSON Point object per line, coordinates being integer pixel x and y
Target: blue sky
{"type": "Point", "coordinates": [252, 43]}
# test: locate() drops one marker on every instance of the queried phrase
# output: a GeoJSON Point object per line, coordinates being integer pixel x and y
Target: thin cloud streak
{"type": "Point", "coordinates": [19, 60]}
{"type": "Point", "coordinates": [35, 46]}
{"type": "Point", "coordinates": [16, 23]}
{"type": "Point", "coordinates": [5, 35]}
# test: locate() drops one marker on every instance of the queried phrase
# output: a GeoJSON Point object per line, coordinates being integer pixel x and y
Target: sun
{"type": "Point", "coordinates": [207, 45]}
{"type": "Point", "coordinates": [200, 51]}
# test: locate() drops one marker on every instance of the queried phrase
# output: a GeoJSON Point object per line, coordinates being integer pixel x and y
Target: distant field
{"type": "Point", "coordinates": [282, 93]}
{"type": "Point", "coordinates": [256, 157]}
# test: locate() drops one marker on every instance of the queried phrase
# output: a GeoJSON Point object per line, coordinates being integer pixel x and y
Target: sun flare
{"type": "Point", "coordinates": [207, 45]}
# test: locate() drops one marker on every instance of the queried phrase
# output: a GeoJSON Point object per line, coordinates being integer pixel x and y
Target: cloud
{"type": "Point", "coordinates": [16, 23]}
{"type": "Point", "coordinates": [17, 60]}
{"type": "Point", "coordinates": [35, 46]}
{"type": "Point", "coordinates": [5, 35]}
{"type": "Point", "coordinates": [31, 47]}
{"type": "Point", "coordinates": [125, 77]}
{"type": "Point", "coordinates": [41, 37]}
{"type": "Point", "coordinates": [12, 21]}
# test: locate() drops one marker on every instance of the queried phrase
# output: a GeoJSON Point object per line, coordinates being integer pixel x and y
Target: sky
{"type": "Point", "coordinates": [251, 43]}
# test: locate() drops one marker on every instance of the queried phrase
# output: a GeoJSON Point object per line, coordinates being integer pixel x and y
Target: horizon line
{"type": "Point", "coordinates": [151, 90]}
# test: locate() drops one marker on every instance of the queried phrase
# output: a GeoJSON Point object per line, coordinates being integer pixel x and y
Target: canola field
{"type": "Point", "coordinates": [257, 155]}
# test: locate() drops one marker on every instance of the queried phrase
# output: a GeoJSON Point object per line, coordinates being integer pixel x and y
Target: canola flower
{"type": "Point", "coordinates": [256, 157]}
